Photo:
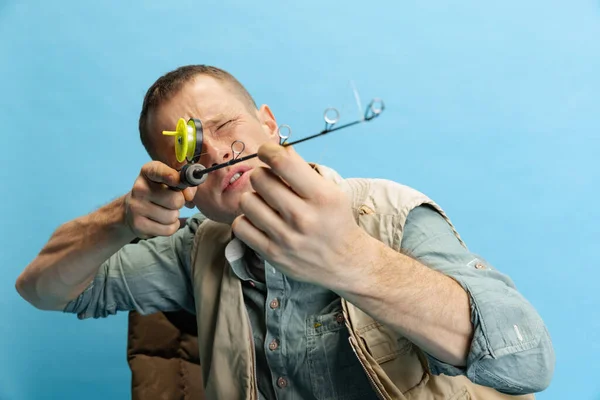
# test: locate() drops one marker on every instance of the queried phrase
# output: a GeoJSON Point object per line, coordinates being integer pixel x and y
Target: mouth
{"type": "Point", "coordinates": [235, 177]}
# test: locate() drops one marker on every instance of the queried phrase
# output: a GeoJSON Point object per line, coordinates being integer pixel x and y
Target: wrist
{"type": "Point", "coordinates": [124, 223]}
{"type": "Point", "coordinates": [112, 218]}
{"type": "Point", "coordinates": [361, 266]}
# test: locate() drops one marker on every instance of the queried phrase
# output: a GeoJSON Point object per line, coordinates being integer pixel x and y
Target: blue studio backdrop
{"type": "Point", "coordinates": [493, 110]}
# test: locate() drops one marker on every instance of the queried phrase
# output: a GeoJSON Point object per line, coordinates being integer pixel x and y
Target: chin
{"type": "Point", "coordinates": [222, 216]}
{"type": "Point", "coordinates": [228, 208]}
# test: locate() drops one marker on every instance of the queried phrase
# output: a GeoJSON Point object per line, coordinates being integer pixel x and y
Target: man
{"type": "Point", "coordinates": [305, 285]}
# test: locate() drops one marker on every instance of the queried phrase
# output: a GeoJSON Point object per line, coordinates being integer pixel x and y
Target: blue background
{"type": "Point", "coordinates": [493, 110]}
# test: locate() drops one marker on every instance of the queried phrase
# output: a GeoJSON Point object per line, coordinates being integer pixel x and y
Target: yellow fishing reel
{"type": "Point", "coordinates": [188, 148]}
{"type": "Point", "coordinates": [188, 139]}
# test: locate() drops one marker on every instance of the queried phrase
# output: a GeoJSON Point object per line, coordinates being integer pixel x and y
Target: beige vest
{"type": "Point", "coordinates": [396, 368]}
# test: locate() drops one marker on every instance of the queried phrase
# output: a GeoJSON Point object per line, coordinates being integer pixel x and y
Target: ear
{"type": "Point", "coordinates": [267, 119]}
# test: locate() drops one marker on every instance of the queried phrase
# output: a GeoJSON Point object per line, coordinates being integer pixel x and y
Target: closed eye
{"type": "Point", "coordinates": [225, 124]}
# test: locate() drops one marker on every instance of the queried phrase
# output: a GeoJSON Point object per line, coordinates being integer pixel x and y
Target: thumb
{"type": "Point", "coordinates": [189, 193]}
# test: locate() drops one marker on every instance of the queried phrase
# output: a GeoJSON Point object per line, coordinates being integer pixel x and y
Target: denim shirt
{"type": "Point", "coordinates": [301, 342]}
{"type": "Point", "coordinates": [301, 347]}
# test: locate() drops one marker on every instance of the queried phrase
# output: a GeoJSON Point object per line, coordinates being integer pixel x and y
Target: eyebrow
{"type": "Point", "coordinates": [214, 120]}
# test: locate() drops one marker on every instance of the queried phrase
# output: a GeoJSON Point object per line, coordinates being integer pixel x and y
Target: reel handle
{"type": "Point", "coordinates": [188, 176]}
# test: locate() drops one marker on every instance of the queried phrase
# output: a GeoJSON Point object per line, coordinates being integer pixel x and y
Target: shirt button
{"type": "Point", "coordinates": [273, 345]}
{"type": "Point", "coordinates": [479, 266]}
{"type": "Point", "coordinates": [251, 283]}
{"type": "Point", "coordinates": [339, 318]}
{"type": "Point", "coordinates": [274, 304]}
{"type": "Point", "coordinates": [282, 382]}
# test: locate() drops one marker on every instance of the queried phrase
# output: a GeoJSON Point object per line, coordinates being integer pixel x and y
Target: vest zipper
{"type": "Point", "coordinates": [254, 378]}
{"type": "Point", "coordinates": [379, 392]}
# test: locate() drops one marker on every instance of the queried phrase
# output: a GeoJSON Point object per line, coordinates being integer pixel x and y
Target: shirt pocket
{"type": "Point", "coordinates": [335, 372]}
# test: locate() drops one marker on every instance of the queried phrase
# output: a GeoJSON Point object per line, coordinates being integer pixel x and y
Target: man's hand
{"type": "Point", "coordinates": [297, 220]}
{"type": "Point", "coordinates": [70, 260]}
{"type": "Point", "coordinates": [303, 224]}
{"type": "Point", "coordinates": [152, 207]}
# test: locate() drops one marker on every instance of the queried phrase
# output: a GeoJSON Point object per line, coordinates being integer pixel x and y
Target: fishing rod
{"type": "Point", "coordinates": [189, 141]}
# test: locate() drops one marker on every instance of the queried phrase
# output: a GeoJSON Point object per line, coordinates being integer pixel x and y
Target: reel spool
{"type": "Point", "coordinates": [188, 147]}
{"type": "Point", "coordinates": [188, 140]}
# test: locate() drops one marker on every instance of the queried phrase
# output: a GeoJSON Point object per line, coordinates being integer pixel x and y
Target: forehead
{"type": "Point", "coordinates": [203, 97]}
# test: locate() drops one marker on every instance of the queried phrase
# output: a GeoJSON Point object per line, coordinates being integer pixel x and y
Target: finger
{"type": "Point", "coordinates": [189, 193]}
{"type": "Point", "coordinates": [147, 209]}
{"type": "Point", "coordinates": [160, 214]}
{"type": "Point", "coordinates": [163, 196]}
{"type": "Point", "coordinates": [256, 239]}
{"type": "Point", "coordinates": [288, 164]}
{"type": "Point", "coordinates": [276, 193]}
{"type": "Point", "coordinates": [150, 227]}
{"type": "Point", "coordinates": [263, 217]}
{"type": "Point", "coordinates": [145, 227]}
{"type": "Point", "coordinates": [158, 172]}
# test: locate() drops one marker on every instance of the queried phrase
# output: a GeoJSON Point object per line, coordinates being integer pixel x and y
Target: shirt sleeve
{"type": "Point", "coordinates": [511, 350]}
{"type": "Point", "coordinates": [148, 276]}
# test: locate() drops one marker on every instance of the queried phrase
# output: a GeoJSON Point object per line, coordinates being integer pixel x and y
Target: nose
{"type": "Point", "coordinates": [215, 152]}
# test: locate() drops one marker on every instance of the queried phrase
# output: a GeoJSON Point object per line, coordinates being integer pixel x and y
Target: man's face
{"type": "Point", "coordinates": [225, 118]}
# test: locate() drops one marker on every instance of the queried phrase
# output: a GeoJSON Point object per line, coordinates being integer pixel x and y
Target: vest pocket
{"type": "Point", "coordinates": [335, 372]}
{"type": "Point", "coordinates": [462, 394]}
{"type": "Point", "coordinates": [396, 355]}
